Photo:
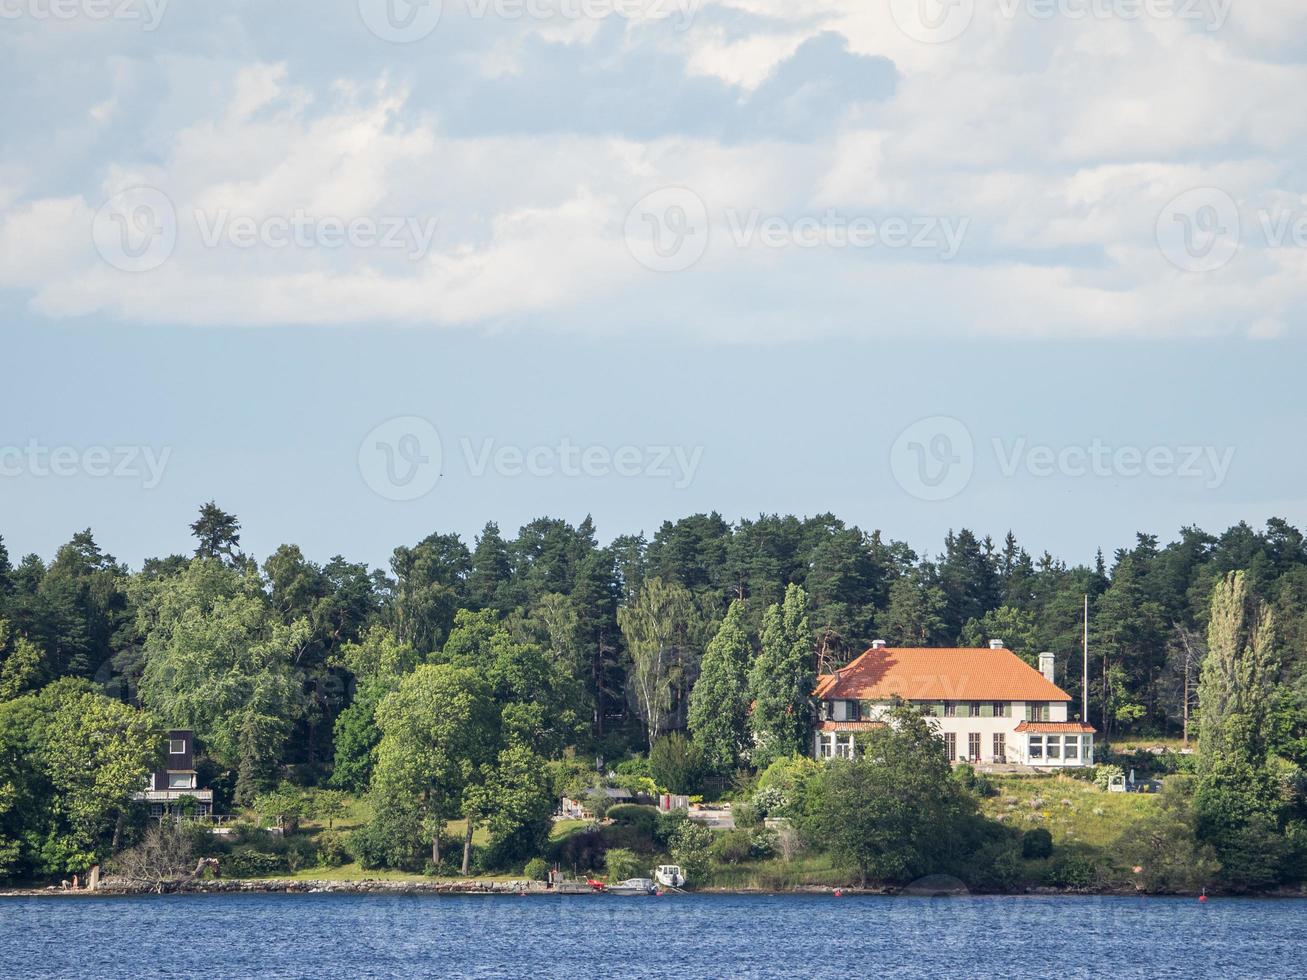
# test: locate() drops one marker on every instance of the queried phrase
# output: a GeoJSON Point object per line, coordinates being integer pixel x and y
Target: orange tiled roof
{"type": "Point", "coordinates": [939, 674]}
{"type": "Point", "coordinates": [850, 726]}
{"type": "Point", "coordinates": [1055, 727]}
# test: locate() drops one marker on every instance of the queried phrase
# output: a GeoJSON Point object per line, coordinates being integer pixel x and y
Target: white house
{"type": "Point", "coordinates": [989, 704]}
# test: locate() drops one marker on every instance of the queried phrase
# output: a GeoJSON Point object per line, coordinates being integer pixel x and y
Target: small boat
{"type": "Point", "coordinates": [633, 886]}
{"type": "Point", "coordinates": [669, 875]}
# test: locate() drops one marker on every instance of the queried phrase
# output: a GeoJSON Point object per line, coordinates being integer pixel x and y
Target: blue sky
{"type": "Point", "coordinates": [1033, 272]}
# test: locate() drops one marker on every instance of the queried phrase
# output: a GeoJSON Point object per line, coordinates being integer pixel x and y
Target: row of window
{"type": "Point", "coordinates": [856, 710]}
{"type": "Point", "coordinates": [1060, 746]}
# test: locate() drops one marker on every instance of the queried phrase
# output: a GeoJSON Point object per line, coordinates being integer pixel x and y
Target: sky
{"type": "Point", "coordinates": [366, 270]}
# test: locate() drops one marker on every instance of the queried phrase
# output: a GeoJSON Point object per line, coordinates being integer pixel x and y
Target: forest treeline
{"type": "Point", "coordinates": [447, 685]}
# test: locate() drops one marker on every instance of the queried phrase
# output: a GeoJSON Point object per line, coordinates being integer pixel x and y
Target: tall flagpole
{"type": "Point", "coordinates": [1084, 682]}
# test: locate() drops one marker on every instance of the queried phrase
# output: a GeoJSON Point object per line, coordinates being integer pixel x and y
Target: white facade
{"type": "Point", "coordinates": [975, 732]}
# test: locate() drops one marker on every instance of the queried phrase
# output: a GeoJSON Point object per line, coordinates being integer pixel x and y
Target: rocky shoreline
{"type": "Point", "coordinates": [112, 887]}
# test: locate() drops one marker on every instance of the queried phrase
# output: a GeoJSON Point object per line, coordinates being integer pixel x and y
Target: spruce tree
{"type": "Point", "coordinates": [780, 683]}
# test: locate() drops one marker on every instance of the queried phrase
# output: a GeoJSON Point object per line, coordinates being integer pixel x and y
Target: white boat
{"type": "Point", "coordinates": [670, 876]}
{"type": "Point", "coordinates": [633, 886]}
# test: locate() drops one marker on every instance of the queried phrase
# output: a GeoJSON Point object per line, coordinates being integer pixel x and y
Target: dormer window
{"type": "Point", "coordinates": [176, 746]}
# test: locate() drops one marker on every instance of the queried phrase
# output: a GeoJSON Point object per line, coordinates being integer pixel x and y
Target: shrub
{"type": "Point", "coordinates": [1073, 872]}
{"type": "Point", "coordinates": [332, 851]}
{"type": "Point", "coordinates": [746, 816]}
{"type": "Point", "coordinates": [1036, 844]}
{"type": "Point", "coordinates": [1103, 775]}
{"type": "Point", "coordinates": [769, 801]}
{"type": "Point", "coordinates": [537, 869]}
{"type": "Point", "coordinates": [252, 864]}
{"type": "Point", "coordinates": [643, 818]}
{"type": "Point", "coordinates": [732, 847]}
{"type": "Point", "coordinates": [623, 864]}
{"type": "Point", "coordinates": [676, 763]}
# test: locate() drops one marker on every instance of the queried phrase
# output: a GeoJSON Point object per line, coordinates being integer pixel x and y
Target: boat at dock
{"type": "Point", "coordinates": [633, 886]}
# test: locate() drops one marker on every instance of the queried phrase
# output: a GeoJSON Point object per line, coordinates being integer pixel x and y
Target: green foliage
{"type": "Point", "coordinates": [1073, 871]}
{"type": "Point", "coordinates": [676, 763]}
{"type": "Point", "coordinates": [691, 848]}
{"type": "Point", "coordinates": [895, 812]}
{"type": "Point", "coordinates": [780, 682]}
{"type": "Point", "coordinates": [643, 818]}
{"type": "Point", "coordinates": [219, 662]}
{"type": "Point", "coordinates": [659, 628]}
{"type": "Point", "coordinates": [1165, 845]}
{"type": "Point", "coordinates": [622, 864]}
{"type": "Point", "coordinates": [537, 869]}
{"type": "Point", "coordinates": [1036, 843]}
{"type": "Point", "coordinates": [516, 802]}
{"type": "Point", "coordinates": [1104, 774]}
{"type": "Point", "coordinates": [719, 703]}
{"type": "Point", "coordinates": [739, 845]}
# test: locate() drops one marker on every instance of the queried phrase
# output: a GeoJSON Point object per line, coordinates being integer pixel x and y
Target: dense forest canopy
{"type": "Point", "coordinates": [465, 666]}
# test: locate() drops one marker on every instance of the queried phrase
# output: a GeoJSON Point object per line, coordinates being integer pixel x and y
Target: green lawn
{"type": "Point", "coordinates": [1075, 812]}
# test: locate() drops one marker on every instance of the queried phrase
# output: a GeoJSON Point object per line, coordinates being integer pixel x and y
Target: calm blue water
{"type": "Point", "coordinates": [705, 936]}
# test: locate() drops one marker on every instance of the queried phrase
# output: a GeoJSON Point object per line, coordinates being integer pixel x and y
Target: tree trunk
{"type": "Point", "coordinates": [467, 849]}
{"type": "Point", "coordinates": [435, 849]}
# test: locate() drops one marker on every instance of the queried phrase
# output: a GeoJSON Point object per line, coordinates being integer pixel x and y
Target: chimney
{"type": "Point", "coordinates": [996, 644]}
{"type": "Point", "coordinates": [878, 644]}
{"type": "Point", "coordinates": [1046, 663]}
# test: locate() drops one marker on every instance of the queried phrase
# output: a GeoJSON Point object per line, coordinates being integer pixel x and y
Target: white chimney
{"type": "Point", "coordinates": [1046, 664]}
{"type": "Point", "coordinates": [878, 644]}
{"type": "Point", "coordinates": [996, 644]}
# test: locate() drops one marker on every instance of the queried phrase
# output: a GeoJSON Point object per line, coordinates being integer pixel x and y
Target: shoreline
{"type": "Point", "coordinates": [520, 889]}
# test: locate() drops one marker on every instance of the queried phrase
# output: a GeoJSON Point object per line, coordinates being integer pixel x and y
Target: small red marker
{"type": "Point", "coordinates": [838, 893]}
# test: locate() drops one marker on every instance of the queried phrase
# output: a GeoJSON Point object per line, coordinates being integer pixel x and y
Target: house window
{"type": "Point", "coordinates": [1036, 711]}
{"type": "Point", "coordinates": [827, 744]}
{"type": "Point", "coordinates": [1000, 747]}
{"type": "Point", "coordinates": [973, 709]}
{"type": "Point", "coordinates": [176, 746]}
{"type": "Point", "coordinates": [950, 709]}
{"type": "Point", "coordinates": [1087, 743]}
{"type": "Point", "coordinates": [1054, 747]}
{"type": "Point", "coordinates": [1002, 709]}
{"type": "Point", "coordinates": [181, 780]}
{"type": "Point", "coordinates": [973, 746]}
{"type": "Point", "coordinates": [1072, 748]}
{"type": "Point", "coordinates": [951, 746]}
{"type": "Point", "coordinates": [844, 746]}
{"type": "Point", "coordinates": [1036, 746]}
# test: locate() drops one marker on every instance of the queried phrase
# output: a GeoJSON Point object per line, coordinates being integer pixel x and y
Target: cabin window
{"type": "Point", "coordinates": [176, 746]}
{"type": "Point", "coordinates": [181, 780]}
{"type": "Point", "coordinates": [1036, 746]}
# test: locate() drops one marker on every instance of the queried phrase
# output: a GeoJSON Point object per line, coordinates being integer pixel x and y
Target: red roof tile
{"type": "Point", "coordinates": [939, 674]}
{"type": "Point", "coordinates": [850, 726]}
{"type": "Point", "coordinates": [1055, 727]}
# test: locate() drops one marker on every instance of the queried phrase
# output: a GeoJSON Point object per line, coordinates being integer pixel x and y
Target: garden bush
{"type": "Point", "coordinates": [1036, 844]}
{"type": "Point", "coordinates": [537, 869]}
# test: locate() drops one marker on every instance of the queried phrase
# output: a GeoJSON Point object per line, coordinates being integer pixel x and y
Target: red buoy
{"type": "Point", "coordinates": [1202, 898]}
{"type": "Point", "coordinates": [838, 893]}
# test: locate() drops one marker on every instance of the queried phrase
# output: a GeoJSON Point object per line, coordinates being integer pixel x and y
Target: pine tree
{"type": "Point", "coordinates": [780, 683]}
{"type": "Point", "coordinates": [719, 702]}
